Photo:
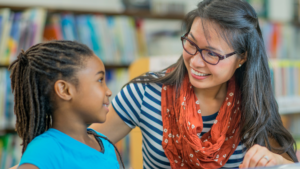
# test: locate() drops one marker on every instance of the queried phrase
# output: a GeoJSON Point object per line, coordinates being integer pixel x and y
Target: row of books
{"type": "Point", "coordinates": [285, 78]}
{"type": "Point", "coordinates": [7, 117]}
{"type": "Point", "coordinates": [19, 30]}
{"type": "Point", "coordinates": [119, 39]}
{"type": "Point", "coordinates": [269, 9]}
{"type": "Point", "coordinates": [112, 38]}
{"type": "Point", "coordinates": [115, 39]}
{"type": "Point", "coordinates": [10, 150]}
{"type": "Point", "coordinates": [281, 40]}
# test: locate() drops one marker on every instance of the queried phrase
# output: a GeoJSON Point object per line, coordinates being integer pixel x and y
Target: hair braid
{"type": "Point", "coordinates": [33, 74]}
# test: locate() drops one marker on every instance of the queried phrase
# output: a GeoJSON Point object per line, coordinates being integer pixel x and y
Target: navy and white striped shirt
{"type": "Point", "coordinates": [140, 105]}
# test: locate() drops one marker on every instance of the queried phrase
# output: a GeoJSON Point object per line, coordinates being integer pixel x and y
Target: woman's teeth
{"type": "Point", "coordinates": [198, 74]}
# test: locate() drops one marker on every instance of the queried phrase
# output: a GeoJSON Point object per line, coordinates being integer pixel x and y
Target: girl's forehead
{"type": "Point", "coordinates": [92, 66]}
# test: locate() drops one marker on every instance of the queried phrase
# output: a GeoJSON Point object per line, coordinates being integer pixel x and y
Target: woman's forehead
{"type": "Point", "coordinates": [206, 33]}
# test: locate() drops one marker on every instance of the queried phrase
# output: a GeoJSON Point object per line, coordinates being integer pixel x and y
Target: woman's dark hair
{"type": "Point", "coordinates": [32, 78]}
{"type": "Point", "coordinates": [238, 25]}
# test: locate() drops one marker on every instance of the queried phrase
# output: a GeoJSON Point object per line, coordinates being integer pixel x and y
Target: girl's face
{"type": "Point", "coordinates": [201, 74]}
{"type": "Point", "coordinates": [92, 95]}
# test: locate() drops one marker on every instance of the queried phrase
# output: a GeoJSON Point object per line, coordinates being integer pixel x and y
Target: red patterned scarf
{"type": "Point", "coordinates": [182, 121]}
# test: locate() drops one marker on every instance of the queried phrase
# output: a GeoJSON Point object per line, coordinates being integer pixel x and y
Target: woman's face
{"type": "Point", "coordinates": [201, 74]}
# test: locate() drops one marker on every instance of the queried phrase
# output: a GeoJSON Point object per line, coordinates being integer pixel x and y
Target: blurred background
{"type": "Point", "coordinates": [129, 35]}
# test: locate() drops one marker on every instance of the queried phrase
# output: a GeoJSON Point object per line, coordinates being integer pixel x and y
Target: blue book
{"type": "Point", "coordinates": [1, 24]}
{"type": "Point", "coordinates": [68, 27]}
{"type": "Point", "coordinates": [94, 36]}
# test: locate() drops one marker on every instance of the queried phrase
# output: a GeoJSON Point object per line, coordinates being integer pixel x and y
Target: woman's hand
{"type": "Point", "coordinates": [259, 156]}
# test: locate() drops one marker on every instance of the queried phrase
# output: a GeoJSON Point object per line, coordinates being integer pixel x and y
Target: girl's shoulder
{"type": "Point", "coordinates": [40, 150]}
{"type": "Point", "coordinates": [44, 139]}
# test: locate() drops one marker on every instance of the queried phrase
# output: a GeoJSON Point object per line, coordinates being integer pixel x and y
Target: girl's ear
{"type": "Point", "coordinates": [64, 90]}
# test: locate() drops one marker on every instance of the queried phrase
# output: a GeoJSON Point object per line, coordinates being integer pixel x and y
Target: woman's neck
{"type": "Point", "coordinates": [211, 99]}
{"type": "Point", "coordinates": [213, 93]}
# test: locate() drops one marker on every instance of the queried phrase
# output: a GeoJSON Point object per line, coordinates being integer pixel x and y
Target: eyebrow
{"type": "Point", "coordinates": [100, 72]}
{"type": "Point", "coordinates": [208, 47]}
{"type": "Point", "coordinates": [212, 48]}
{"type": "Point", "coordinates": [193, 36]}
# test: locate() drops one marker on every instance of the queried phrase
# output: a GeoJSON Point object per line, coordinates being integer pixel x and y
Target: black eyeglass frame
{"type": "Point", "coordinates": [221, 57]}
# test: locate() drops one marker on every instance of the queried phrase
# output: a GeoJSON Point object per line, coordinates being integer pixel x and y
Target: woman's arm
{"type": "Point", "coordinates": [114, 127]}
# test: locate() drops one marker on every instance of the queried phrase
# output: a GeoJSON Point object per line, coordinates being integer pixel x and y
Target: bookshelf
{"type": "Point", "coordinates": [125, 66]}
{"type": "Point", "coordinates": [135, 13]}
{"type": "Point", "coordinates": [7, 131]}
{"type": "Point", "coordinates": [288, 105]}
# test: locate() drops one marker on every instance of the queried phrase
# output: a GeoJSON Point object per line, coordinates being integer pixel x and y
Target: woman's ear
{"type": "Point", "coordinates": [64, 90]}
{"type": "Point", "coordinates": [242, 60]}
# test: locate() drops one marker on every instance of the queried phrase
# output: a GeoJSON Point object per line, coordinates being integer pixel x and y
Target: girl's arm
{"type": "Point", "coordinates": [27, 166]}
{"type": "Point", "coordinates": [114, 127]}
{"type": "Point", "coordinates": [14, 167]}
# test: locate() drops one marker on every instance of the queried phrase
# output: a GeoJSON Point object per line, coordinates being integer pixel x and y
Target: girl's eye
{"type": "Point", "coordinates": [100, 80]}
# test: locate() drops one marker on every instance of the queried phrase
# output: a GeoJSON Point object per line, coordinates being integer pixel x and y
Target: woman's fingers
{"type": "Point", "coordinates": [259, 156]}
{"type": "Point", "coordinates": [248, 156]}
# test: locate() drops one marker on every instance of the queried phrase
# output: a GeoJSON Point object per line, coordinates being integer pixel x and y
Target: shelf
{"type": "Point", "coordinates": [106, 66]}
{"type": "Point", "coordinates": [115, 66]}
{"type": "Point", "coordinates": [132, 13]}
{"type": "Point", "coordinates": [3, 66]}
{"type": "Point", "coordinates": [7, 131]}
{"type": "Point", "coordinates": [289, 105]}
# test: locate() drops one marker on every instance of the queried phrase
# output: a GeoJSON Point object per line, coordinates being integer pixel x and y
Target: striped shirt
{"type": "Point", "coordinates": [140, 105]}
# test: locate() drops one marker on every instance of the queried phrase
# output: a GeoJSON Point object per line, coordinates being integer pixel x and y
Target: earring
{"type": "Point", "coordinates": [240, 65]}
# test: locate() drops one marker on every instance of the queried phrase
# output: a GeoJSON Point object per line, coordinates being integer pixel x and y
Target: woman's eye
{"type": "Point", "coordinates": [212, 54]}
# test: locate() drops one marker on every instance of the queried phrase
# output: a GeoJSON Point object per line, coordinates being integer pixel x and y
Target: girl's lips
{"type": "Point", "coordinates": [106, 106]}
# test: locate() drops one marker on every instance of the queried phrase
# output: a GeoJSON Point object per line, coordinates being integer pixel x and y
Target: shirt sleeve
{"type": "Point", "coordinates": [128, 103]}
{"type": "Point", "coordinates": [40, 152]}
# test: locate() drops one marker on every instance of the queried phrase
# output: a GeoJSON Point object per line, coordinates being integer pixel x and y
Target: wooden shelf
{"type": "Point", "coordinates": [7, 131]}
{"type": "Point", "coordinates": [106, 66]}
{"type": "Point", "coordinates": [289, 105]}
{"type": "Point", "coordinates": [3, 66]}
{"type": "Point", "coordinates": [132, 13]}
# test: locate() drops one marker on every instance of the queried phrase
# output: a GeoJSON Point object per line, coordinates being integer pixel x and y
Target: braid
{"type": "Point", "coordinates": [97, 135]}
{"type": "Point", "coordinates": [115, 149]}
{"type": "Point", "coordinates": [32, 77]}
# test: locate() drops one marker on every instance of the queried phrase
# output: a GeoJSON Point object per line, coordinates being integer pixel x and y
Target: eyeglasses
{"type": "Point", "coordinates": [208, 56]}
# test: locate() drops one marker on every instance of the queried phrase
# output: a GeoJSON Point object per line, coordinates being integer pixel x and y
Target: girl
{"type": "Point", "coordinates": [59, 88]}
{"type": "Point", "coordinates": [213, 108]}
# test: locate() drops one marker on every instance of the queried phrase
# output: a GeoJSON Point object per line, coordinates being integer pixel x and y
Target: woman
{"type": "Point", "coordinates": [213, 108]}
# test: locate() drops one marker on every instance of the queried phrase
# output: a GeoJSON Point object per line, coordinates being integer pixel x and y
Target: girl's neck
{"type": "Point", "coordinates": [70, 124]}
